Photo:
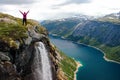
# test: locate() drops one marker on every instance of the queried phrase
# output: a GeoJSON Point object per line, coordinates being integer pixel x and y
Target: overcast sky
{"type": "Point", "coordinates": [53, 9]}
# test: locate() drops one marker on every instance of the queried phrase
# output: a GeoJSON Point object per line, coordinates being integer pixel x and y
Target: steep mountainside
{"type": "Point", "coordinates": [62, 26]}
{"type": "Point", "coordinates": [103, 33]}
{"type": "Point", "coordinates": [24, 50]}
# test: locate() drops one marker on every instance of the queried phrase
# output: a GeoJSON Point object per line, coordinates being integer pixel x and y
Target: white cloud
{"type": "Point", "coordinates": [16, 1]}
{"type": "Point", "coordinates": [51, 9]}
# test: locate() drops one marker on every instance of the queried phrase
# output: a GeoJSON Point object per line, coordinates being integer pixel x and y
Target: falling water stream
{"type": "Point", "coordinates": [45, 71]}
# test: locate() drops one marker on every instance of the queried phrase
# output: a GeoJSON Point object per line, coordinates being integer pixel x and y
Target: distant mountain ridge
{"type": "Point", "coordinates": [113, 15]}
{"type": "Point", "coordinates": [62, 26]}
{"type": "Point", "coordinates": [103, 32]}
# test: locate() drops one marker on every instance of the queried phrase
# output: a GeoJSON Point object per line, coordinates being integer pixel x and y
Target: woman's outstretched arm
{"type": "Point", "coordinates": [21, 12]}
{"type": "Point", "coordinates": [27, 11]}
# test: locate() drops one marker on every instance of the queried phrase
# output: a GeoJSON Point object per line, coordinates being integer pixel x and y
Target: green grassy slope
{"type": "Point", "coordinates": [68, 65]}
{"type": "Point", "coordinates": [12, 30]}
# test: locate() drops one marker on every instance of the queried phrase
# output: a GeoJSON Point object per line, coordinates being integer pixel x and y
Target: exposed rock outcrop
{"type": "Point", "coordinates": [18, 48]}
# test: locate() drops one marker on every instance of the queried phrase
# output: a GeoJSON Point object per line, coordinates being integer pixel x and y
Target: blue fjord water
{"type": "Point", "coordinates": [94, 66]}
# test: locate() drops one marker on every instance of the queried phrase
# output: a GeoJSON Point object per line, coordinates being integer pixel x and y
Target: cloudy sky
{"type": "Point", "coordinates": [53, 9]}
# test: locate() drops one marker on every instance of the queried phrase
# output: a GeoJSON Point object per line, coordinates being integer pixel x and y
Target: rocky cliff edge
{"type": "Point", "coordinates": [17, 49]}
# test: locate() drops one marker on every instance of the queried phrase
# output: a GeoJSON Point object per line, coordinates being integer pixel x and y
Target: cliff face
{"type": "Point", "coordinates": [18, 50]}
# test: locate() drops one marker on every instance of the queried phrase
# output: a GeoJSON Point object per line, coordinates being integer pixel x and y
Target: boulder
{"type": "Point", "coordinates": [4, 57]}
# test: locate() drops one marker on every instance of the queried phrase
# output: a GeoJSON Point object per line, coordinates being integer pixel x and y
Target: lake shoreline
{"type": "Point", "coordinates": [91, 59]}
{"type": "Point", "coordinates": [104, 57]}
{"type": "Point", "coordinates": [78, 66]}
{"type": "Point", "coordinates": [109, 60]}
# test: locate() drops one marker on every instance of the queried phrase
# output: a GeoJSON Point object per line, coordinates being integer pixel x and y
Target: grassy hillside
{"type": "Point", "coordinates": [12, 30]}
{"type": "Point", "coordinates": [112, 53]}
{"type": "Point", "coordinates": [68, 65]}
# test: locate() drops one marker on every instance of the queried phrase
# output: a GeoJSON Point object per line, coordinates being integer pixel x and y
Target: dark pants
{"type": "Point", "coordinates": [24, 21]}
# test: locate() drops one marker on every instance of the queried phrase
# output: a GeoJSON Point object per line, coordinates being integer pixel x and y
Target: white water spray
{"type": "Point", "coordinates": [46, 68]}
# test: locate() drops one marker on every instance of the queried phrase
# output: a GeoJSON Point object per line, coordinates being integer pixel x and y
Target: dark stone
{"type": "Point", "coordinates": [4, 47]}
{"type": "Point", "coordinates": [4, 57]}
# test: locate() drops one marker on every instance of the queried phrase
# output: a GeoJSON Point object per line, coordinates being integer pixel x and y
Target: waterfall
{"type": "Point", "coordinates": [45, 64]}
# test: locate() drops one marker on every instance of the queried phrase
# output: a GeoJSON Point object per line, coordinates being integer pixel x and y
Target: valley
{"type": "Point", "coordinates": [102, 33]}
